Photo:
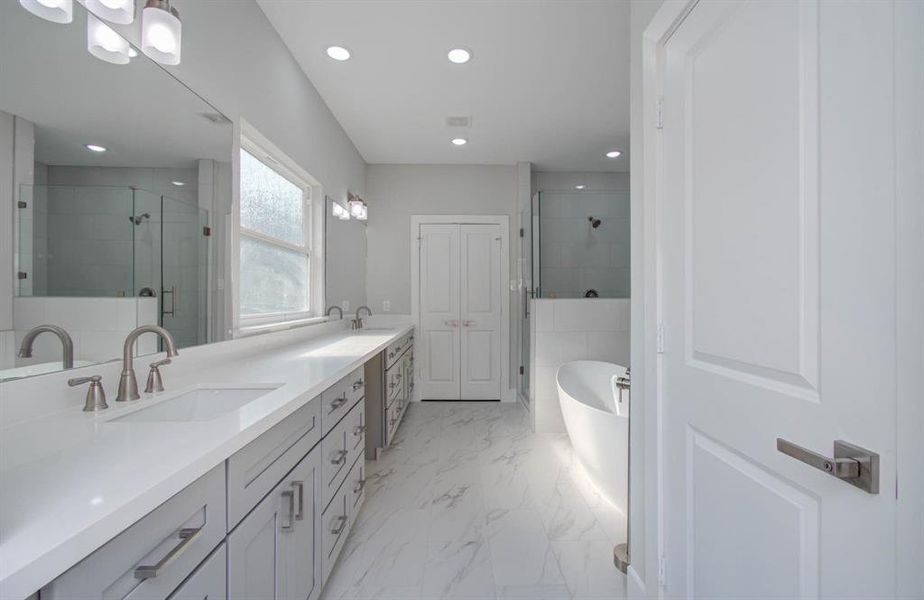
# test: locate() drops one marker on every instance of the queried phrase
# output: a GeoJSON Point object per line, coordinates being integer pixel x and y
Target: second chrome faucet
{"type": "Point", "coordinates": [128, 383]}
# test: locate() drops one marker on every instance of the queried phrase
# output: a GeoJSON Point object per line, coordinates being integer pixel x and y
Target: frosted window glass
{"type": "Point", "coordinates": [270, 203]}
{"type": "Point", "coordinates": [273, 279]}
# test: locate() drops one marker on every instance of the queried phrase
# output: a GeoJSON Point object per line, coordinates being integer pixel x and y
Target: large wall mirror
{"type": "Point", "coordinates": [122, 185]}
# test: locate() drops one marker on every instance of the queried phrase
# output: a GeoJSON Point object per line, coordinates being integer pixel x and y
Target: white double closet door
{"type": "Point", "coordinates": [460, 311]}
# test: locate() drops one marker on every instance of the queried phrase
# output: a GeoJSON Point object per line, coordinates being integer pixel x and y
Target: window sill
{"type": "Point", "coordinates": [256, 329]}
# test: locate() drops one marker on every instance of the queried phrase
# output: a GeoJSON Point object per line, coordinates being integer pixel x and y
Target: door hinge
{"type": "Point", "coordinates": [207, 231]}
{"type": "Point", "coordinates": [662, 571]}
{"type": "Point", "coordinates": [22, 275]}
{"type": "Point", "coordinates": [22, 204]}
{"type": "Point", "coordinates": [522, 232]}
{"type": "Point", "coordinates": [521, 369]}
{"type": "Point", "coordinates": [659, 113]}
{"type": "Point", "coordinates": [659, 342]}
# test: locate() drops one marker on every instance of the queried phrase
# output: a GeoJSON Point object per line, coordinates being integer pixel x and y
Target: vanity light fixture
{"type": "Point", "coordinates": [338, 53]}
{"type": "Point", "coordinates": [56, 11]}
{"type": "Point", "coordinates": [459, 56]}
{"type": "Point", "coordinates": [363, 212]}
{"type": "Point", "coordinates": [580, 187]}
{"type": "Point", "coordinates": [613, 154]}
{"type": "Point", "coordinates": [459, 141]}
{"type": "Point", "coordinates": [340, 212]}
{"type": "Point", "coordinates": [95, 148]}
{"type": "Point", "coordinates": [161, 32]}
{"type": "Point", "coordinates": [105, 44]}
{"type": "Point", "coordinates": [121, 12]}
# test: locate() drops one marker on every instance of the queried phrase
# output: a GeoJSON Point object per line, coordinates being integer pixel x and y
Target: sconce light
{"type": "Point", "coordinates": [340, 212]}
{"type": "Point", "coordinates": [105, 44]}
{"type": "Point", "coordinates": [114, 11]}
{"type": "Point", "coordinates": [161, 32]}
{"type": "Point", "coordinates": [56, 11]}
{"type": "Point", "coordinates": [363, 213]}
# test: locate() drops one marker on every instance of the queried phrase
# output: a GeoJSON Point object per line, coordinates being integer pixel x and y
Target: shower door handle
{"type": "Point", "coordinates": [163, 293]}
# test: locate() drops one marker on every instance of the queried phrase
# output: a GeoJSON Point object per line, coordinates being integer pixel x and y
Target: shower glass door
{"type": "Point", "coordinates": [184, 271]}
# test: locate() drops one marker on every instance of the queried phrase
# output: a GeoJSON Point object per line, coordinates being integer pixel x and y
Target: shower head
{"type": "Point", "coordinates": [594, 222]}
{"type": "Point", "coordinates": [137, 220]}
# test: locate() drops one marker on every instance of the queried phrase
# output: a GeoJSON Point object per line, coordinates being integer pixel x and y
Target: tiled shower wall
{"type": "Point", "coordinates": [574, 256]}
{"type": "Point", "coordinates": [565, 330]}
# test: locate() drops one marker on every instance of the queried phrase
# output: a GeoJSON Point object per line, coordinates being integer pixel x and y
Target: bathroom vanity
{"type": "Point", "coordinates": [390, 387]}
{"type": "Point", "coordinates": [241, 481]}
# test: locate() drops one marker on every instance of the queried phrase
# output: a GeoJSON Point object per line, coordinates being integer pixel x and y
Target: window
{"type": "Point", "coordinates": [275, 241]}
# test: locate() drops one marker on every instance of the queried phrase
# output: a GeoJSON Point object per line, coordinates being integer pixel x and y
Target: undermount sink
{"type": "Point", "coordinates": [201, 404]}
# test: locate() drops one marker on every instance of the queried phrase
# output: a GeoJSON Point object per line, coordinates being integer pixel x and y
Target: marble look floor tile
{"type": "Point", "coordinates": [470, 504]}
{"type": "Point", "coordinates": [458, 569]}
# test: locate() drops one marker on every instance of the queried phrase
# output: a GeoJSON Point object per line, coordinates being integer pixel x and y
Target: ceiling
{"type": "Point", "coordinates": [144, 116]}
{"type": "Point", "coordinates": [548, 82]}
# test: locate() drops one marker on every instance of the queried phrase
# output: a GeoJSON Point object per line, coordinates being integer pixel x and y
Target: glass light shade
{"type": "Point", "coordinates": [363, 213]}
{"type": "Point", "coordinates": [356, 208]}
{"type": "Point", "coordinates": [114, 11]}
{"type": "Point", "coordinates": [105, 44]}
{"type": "Point", "coordinates": [340, 212]}
{"type": "Point", "coordinates": [161, 32]}
{"type": "Point", "coordinates": [56, 11]}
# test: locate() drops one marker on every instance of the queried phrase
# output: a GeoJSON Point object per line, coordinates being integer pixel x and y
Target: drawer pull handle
{"type": "Point", "coordinates": [358, 384]}
{"type": "Point", "coordinates": [391, 355]}
{"type": "Point", "coordinates": [340, 457]}
{"type": "Point", "coordinates": [359, 486]}
{"type": "Point", "coordinates": [290, 496]}
{"type": "Point", "coordinates": [300, 486]}
{"type": "Point", "coordinates": [338, 402]}
{"type": "Point", "coordinates": [341, 522]}
{"type": "Point", "coordinates": [187, 537]}
{"type": "Point", "coordinates": [359, 430]}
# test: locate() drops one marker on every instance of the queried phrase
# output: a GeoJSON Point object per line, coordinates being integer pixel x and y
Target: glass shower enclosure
{"type": "Point", "coordinates": [107, 241]}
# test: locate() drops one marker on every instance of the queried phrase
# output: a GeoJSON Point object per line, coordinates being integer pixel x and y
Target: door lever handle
{"type": "Point", "coordinates": [855, 465]}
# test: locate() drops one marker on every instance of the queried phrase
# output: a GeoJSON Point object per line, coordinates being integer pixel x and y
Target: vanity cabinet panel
{"type": "Point", "coordinates": [272, 554]}
{"type": "Point", "coordinates": [338, 399]}
{"type": "Point", "coordinates": [356, 486]}
{"type": "Point", "coordinates": [334, 521]}
{"type": "Point", "coordinates": [210, 580]}
{"type": "Point", "coordinates": [337, 448]}
{"type": "Point", "coordinates": [394, 350]}
{"type": "Point", "coordinates": [257, 467]}
{"type": "Point", "coordinates": [152, 557]}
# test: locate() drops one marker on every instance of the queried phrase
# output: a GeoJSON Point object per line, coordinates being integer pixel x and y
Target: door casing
{"type": "Point", "coordinates": [507, 395]}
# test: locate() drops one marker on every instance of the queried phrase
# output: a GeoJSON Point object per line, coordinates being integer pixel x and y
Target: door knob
{"type": "Point", "coordinates": [468, 323]}
{"type": "Point", "coordinates": [855, 465]}
{"type": "Point", "coordinates": [451, 323]}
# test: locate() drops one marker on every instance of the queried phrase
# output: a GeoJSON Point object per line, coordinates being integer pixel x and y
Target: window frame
{"type": "Point", "coordinates": [270, 156]}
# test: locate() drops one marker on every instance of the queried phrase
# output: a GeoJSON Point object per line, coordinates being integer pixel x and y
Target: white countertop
{"type": "Point", "coordinates": [70, 481]}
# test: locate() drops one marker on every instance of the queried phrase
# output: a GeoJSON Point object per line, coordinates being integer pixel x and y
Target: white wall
{"type": "Point", "coordinates": [564, 330]}
{"type": "Point", "coordinates": [643, 571]}
{"type": "Point", "coordinates": [345, 262]}
{"type": "Point", "coordinates": [575, 257]}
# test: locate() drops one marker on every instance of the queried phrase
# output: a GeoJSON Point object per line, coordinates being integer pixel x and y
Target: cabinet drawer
{"type": "Point", "coordinates": [339, 398]}
{"type": "Point", "coordinates": [209, 581]}
{"type": "Point", "coordinates": [356, 431]}
{"type": "Point", "coordinates": [153, 556]}
{"type": "Point", "coordinates": [394, 351]}
{"type": "Point", "coordinates": [338, 450]}
{"type": "Point", "coordinates": [355, 487]}
{"type": "Point", "coordinates": [334, 523]}
{"type": "Point", "coordinates": [394, 383]}
{"type": "Point", "coordinates": [257, 467]}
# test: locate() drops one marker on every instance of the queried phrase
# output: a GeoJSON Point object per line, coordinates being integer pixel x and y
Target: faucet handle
{"type": "Point", "coordinates": [155, 381]}
{"type": "Point", "coordinates": [96, 395]}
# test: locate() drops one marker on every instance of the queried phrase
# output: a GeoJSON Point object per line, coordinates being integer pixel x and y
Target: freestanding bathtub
{"type": "Point", "coordinates": [597, 423]}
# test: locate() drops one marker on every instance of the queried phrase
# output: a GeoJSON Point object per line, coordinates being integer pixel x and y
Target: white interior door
{"type": "Point", "coordinates": [440, 317]}
{"type": "Point", "coordinates": [777, 297]}
{"type": "Point", "coordinates": [480, 310]}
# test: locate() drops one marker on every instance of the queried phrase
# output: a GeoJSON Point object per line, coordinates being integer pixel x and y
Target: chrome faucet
{"type": "Point", "coordinates": [128, 384]}
{"type": "Point", "coordinates": [332, 307]}
{"type": "Point", "coordinates": [25, 350]}
{"type": "Point", "coordinates": [623, 384]}
{"type": "Point", "coordinates": [358, 322]}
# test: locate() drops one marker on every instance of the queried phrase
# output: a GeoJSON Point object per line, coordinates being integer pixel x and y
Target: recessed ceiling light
{"type": "Point", "coordinates": [580, 187]}
{"type": "Point", "coordinates": [459, 141]}
{"type": "Point", "coordinates": [613, 154]}
{"type": "Point", "coordinates": [459, 56]}
{"type": "Point", "coordinates": [95, 148]}
{"type": "Point", "coordinates": [338, 53]}
{"type": "Point", "coordinates": [178, 183]}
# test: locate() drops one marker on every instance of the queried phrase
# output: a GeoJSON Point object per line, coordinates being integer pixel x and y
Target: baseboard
{"type": "Point", "coordinates": [635, 587]}
{"type": "Point", "coordinates": [511, 396]}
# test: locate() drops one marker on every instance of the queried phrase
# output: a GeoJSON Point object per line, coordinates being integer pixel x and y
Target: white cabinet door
{"type": "Point", "coordinates": [209, 581]}
{"type": "Point", "coordinates": [440, 319]}
{"type": "Point", "coordinates": [777, 291]}
{"type": "Point", "coordinates": [480, 309]}
{"type": "Point", "coordinates": [302, 559]}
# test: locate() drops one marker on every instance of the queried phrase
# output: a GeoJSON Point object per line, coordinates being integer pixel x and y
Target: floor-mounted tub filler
{"type": "Point", "coordinates": [597, 419]}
